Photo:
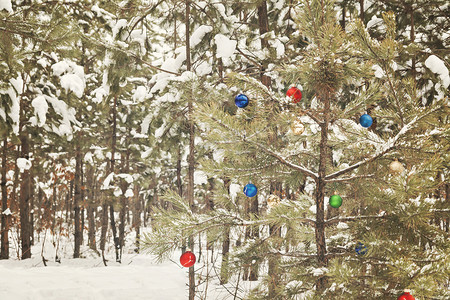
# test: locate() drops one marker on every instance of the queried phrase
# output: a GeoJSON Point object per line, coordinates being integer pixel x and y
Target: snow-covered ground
{"type": "Point", "coordinates": [138, 277]}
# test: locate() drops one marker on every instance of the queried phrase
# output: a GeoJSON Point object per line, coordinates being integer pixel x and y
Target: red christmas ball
{"type": "Point", "coordinates": [187, 259]}
{"type": "Point", "coordinates": [295, 94]}
{"type": "Point", "coordinates": [406, 296]}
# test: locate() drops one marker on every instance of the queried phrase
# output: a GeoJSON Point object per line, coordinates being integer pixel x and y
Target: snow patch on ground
{"type": "Point", "coordinates": [136, 278]}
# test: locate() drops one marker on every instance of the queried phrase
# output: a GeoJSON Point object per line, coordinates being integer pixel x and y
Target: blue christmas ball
{"type": "Point", "coordinates": [360, 249]}
{"type": "Point", "coordinates": [241, 100]}
{"type": "Point", "coordinates": [365, 120]}
{"type": "Point", "coordinates": [250, 190]}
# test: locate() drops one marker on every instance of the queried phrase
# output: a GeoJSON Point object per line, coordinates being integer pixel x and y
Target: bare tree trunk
{"type": "Point", "coordinates": [320, 194]}
{"type": "Point", "coordinates": [91, 206]}
{"type": "Point", "coordinates": [191, 159]}
{"type": "Point", "coordinates": [361, 12]}
{"type": "Point", "coordinates": [5, 217]}
{"type": "Point", "coordinates": [25, 200]}
{"type": "Point", "coordinates": [77, 200]}
{"type": "Point", "coordinates": [124, 202]}
{"type": "Point", "coordinates": [113, 159]}
{"type": "Point", "coordinates": [137, 216]}
{"type": "Point", "coordinates": [263, 28]}
{"type": "Point", "coordinates": [224, 275]}
{"type": "Point", "coordinates": [104, 229]}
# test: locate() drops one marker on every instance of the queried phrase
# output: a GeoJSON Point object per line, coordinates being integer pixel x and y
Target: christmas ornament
{"type": "Point", "coordinates": [241, 100]}
{"type": "Point", "coordinates": [365, 121]}
{"type": "Point", "coordinates": [406, 296]}
{"type": "Point", "coordinates": [335, 201]}
{"type": "Point", "coordinates": [297, 127]}
{"type": "Point", "coordinates": [295, 94]}
{"type": "Point", "coordinates": [273, 200]}
{"type": "Point", "coordinates": [396, 167]}
{"type": "Point", "coordinates": [187, 259]}
{"type": "Point", "coordinates": [360, 249]}
{"type": "Point", "coordinates": [250, 190]}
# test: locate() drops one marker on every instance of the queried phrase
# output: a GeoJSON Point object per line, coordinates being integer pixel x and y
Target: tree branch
{"type": "Point", "coordinates": [353, 218]}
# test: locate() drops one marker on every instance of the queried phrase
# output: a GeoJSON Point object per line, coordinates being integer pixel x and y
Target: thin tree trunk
{"type": "Point", "coordinates": [137, 216]}
{"type": "Point", "coordinates": [191, 159]}
{"type": "Point", "coordinates": [361, 10]}
{"type": "Point", "coordinates": [263, 21]}
{"type": "Point", "coordinates": [320, 194]}
{"type": "Point", "coordinates": [77, 200]}
{"type": "Point", "coordinates": [91, 206]}
{"type": "Point", "coordinates": [113, 159]}
{"type": "Point", "coordinates": [25, 200]}
{"type": "Point", "coordinates": [104, 230]}
{"type": "Point", "coordinates": [4, 254]}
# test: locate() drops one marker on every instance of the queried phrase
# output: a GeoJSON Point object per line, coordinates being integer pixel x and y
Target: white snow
{"type": "Point", "coordinates": [146, 123]}
{"type": "Point", "coordinates": [140, 93]}
{"type": "Point", "coordinates": [107, 181]}
{"type": "Point", "coordinates": [129, 193]}
{"type": "Point", "coordinates": [137, 278]}
{"type": "Point", "coordinates": [40, 109]}
{"type": "Point", "coordinates": [73, 83]}
{"type": "Point", "coordinates": [198, 34]}
{"type": "Point", "coordinates": [200, 177]}
{"type": "Point", "coordinates": [6, 5]}
{"type": "Point", "coordinates": [23, 164]}
{"type": "Point", "coordinates": [225, 46]}
{"type": "Point", "coordinates": [437, 66]}
{"type": "Point", "coordinates": [73, 78]}
{"type": "Point", "coordinates": [122, 23]}
{"type": "Point", "coordinates": [7, 212]}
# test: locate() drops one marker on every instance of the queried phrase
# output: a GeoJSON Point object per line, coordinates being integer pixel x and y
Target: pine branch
{"type": "Point", "coordinates": [388, 146]}
{"type": "Point", "coordinates": [353, 218]}
{"type": "Point", "coordinates": [284, 161]}
{"type": "Point", "coordinates": [350, 178]}
{"type": "Point", "coordinates": [268, 151]}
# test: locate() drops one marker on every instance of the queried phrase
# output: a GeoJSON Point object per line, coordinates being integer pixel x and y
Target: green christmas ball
{"type": "Point", "coordinates": [335, 201]}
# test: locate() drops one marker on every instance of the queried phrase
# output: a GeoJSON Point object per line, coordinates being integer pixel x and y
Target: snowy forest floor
{"type": "Point", "coordinates": [139, 276]}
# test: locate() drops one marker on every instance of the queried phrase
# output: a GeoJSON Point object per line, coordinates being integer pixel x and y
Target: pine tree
{"type": "Point", "coordinates": [315, 253]}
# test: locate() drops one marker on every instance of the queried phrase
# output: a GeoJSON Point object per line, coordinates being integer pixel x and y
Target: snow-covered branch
{"type": "Point", "coordinates": [284, 161]}
{"type": "Point", "coordinates": [350, 178]}
{"type": "Point", "coordinates": [388, 146]}
{"type": "Point", "coordinates": [352, 218]}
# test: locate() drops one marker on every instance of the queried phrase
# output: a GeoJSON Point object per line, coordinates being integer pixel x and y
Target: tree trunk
{"type": "Point", "coordinates": [104, 229]}
{"type": "Point", "coordinates": [77, 200]}
{"type": "Point", "coordinates": [91, 208]}
{"type": "Point", "coordinates": [263, 21]}
{"type": "Point", "coordinates": [320, 194]}
{"type": "Point", "coordinates": [137, 216]}
{"type": "Point", "coordinates": [191, 159]}
{"type": "Point", "coordinates": [25, 200]}
{"type": "Point", "coordinates": [113, 159]}
{"type": "Point", "coordinates": [4, 254]}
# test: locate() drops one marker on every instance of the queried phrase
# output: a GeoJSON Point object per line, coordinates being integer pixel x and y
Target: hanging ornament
{"type": "Point", "coordinates": [295, 94]}
{"type": "Point", "coordinates": [335, 200]}
{"type": "Point", "coordinates": [360, 249]}
{"type": "Point", "coordinates": [273, 200]}
{"type": "Point", "coordinates": [297, 127]}
{"type": "Point", "coordinates": [396, 167]}
{"type": "Point", "coordinates": [241, 100]}
{"type": "Point", "coordinates": [406, 296]}
{"type": "Point", "coordinates": [187, 259]}
{"type": "Point", "coordinates": [250, 190]}
{"type": "Point", "coordinates": [365, 121]}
